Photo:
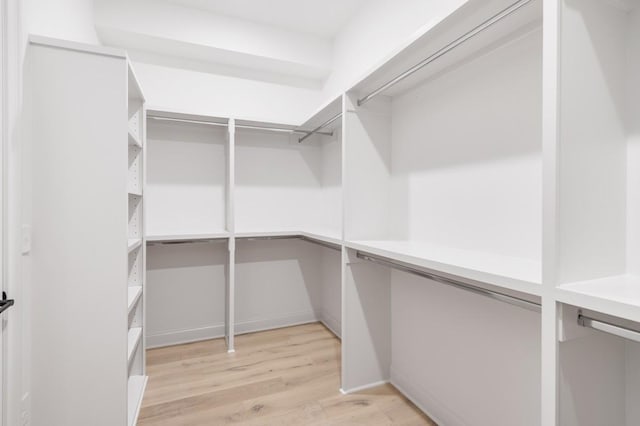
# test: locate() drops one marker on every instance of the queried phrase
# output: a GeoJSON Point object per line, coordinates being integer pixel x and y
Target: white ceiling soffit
{"type": "Point", "coordinates": [323, 18]}
{"type": "Point", "coordinates": [175, 36]}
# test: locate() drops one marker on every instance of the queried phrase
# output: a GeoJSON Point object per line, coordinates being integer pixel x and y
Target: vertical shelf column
{"type": "Point", "coordinates": [230, 219]}
{"type": "Point", "coordinates": [136, 250]}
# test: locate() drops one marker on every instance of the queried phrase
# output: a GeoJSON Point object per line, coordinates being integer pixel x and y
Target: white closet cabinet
{"type": "Point", "coordinates": [444, 174]}
{"type": "Point", "coordinates": [84, 200]}
{"type": "Point", "coordinates": [599, 210]}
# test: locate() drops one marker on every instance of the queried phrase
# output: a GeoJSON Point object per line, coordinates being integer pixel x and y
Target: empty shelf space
{"type": "Point", "coordinates": [133, 244]}
{"type": "Point", "coordinates": [617, 295]}
{"type": "Point", "coordinates": [133, 340]}
{"type": "Point", "coordinates": [517, 274]}
{"type": "Point", "coordinates": [135, 390]}
{"type": "Point", "coordinates": [133, 295]}
{"type": "Point", "coordinates": [174, 238]}
{"type": "Point", "coordinates": [134, 140]}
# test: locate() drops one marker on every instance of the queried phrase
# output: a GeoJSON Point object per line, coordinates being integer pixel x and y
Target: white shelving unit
{"type": "Point", "coordinates": [136, 359]}
{"type": "Point", "coordinates": [86, 124]}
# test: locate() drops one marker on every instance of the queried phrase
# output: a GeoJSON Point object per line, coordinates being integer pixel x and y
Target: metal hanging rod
{"type": "Point", "coordinates": [178, 242]}
{"type": "Point", "coordinates": [616, 330]}
{"type": "Point", "coordinates": [238, 126]}
{"type": "Point", "coordinates": [322, 126]}
{"type": "Point", "coordinates": [448, 48]}
{"type": "Point", "coordinates": [293, 237]}
{"type": "Point", "coordinates": [322, 243]}
{"type": "Point", "coordinates": [523, 303]}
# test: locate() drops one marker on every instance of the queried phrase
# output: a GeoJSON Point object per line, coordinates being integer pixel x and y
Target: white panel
{"type": "Point", "coordinates": [632, 375]}
{"type": "Point", "coordinates": [366, 323]}
{"type": "Point", "coordinates": [185, 292]}
{"type": "Point", "coordinates": [331, 302]}
{"type": "Point", "coordinates": [450, 346]}
{"type": "Point", "coordinates": [185, 191]}
{"type": "Point", "coordinates": [592, 381]}
{"type": "Point", "coordinates": [277, 282]}
{"type": "Point", "coordinates": [79, 258]}
{"type": "Point", "coordinates": [466, 155]}
{"type": "Point", "coordinates": [367, 157]}
{"type": "Point", "coordinates": [593, 142]}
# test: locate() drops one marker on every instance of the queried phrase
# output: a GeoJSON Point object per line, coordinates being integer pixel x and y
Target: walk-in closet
{"type": "Point", "coordinates": [347, 212]}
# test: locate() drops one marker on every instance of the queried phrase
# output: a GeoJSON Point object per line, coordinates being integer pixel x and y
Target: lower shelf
{"type": "Point", "coordinates": [617, 295]}
{"type": "Point", "coordinates": [135, 389]}
{"type": "Point", "coordinates": [133, 338]}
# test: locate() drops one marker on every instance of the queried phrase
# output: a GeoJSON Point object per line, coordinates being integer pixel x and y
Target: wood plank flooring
{"type": "Point", "coordinates": [289, 376]}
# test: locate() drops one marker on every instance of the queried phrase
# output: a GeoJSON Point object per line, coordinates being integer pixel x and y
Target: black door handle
{"type": "Point", "coordinates": [5, 303]}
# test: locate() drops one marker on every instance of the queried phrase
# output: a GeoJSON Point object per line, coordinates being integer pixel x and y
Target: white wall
{"type": "Point", "coordinates": [66, 19]}
{"type": "Point", "coordinates": [217, 95]}
{"type": "Point", "coordinates": [377, 30]}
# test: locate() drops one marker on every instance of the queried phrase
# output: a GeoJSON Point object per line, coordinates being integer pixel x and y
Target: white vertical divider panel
{"type": "Point", "coordinates": [549, 315]}
{"type": "Point", "coordinates": [366, 288]}
{"type": "Point", "coordinates": [78, 120]}
{"type": "Point", "coordinates": [366, 323]}
{"type": "Point", "coordinates": [230, 293]}
{"type": "Point", "coordinates": [143, 299]}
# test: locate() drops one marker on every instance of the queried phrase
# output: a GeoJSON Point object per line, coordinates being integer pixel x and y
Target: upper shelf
{"type": "Point", "coordinates": [465, 19]}
{"type": "Point", "coordinates": [617, 295]}
{"type": "Point", "coordinates": [187, 237]}
{"type": "Point", "coordinates": [512, 273]}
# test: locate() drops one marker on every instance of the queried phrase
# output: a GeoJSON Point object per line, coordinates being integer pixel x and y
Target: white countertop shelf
{"type": "Point", "coordinates": [512, 273]}
{"type": "Point", "coordinates": [135, 390]}
{"type": "Point", "coordinates": [617, 295]}
{"type": "Point", "coordinates": [187, 237]}
{"type": "Point", "coordinates": [133, 244]}
{"type": "Point", "coordinates": [133, 340]}
{"type": "Point", "coordinates": [133, 295]}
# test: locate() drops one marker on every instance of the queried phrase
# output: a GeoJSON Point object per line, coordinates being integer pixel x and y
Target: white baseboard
{"type": "Point", "coordinates": [424, 399]}
{"type": "Point", "coordinates": [179, 337]}
{"type": "Point", "coordinates": [288, 320]}
{"type": "Point", "coordinates": [363, 387]}
{"type": "Point", "coordinates": [332, 323]}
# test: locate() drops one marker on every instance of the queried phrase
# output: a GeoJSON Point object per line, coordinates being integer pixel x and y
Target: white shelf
{"type": "Point", "coordinates": [187, 237]}
{"type": "Point", "coordinates": [617, 295]}
{"type": "Point", "coordinates": [134, 140]}
{"type": "Point", "coordinates": [136, 386]}
{"type": "Point", "coordinates": [133, 244]}
{"type": "Point", "coordinates": [133, 295]}
{"type": "Point", "coordinates": [321, 235]}
{"type": "Point", "coordinates": [517, 274]}
{"type": "Point", "coordinates": [133, 340]}
{"type": "Point", "coordinates": [135, 192]}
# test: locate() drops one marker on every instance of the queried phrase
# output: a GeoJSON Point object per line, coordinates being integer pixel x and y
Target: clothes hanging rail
{"type": "Point", "coordinates": [185, 241]}
{"type": "Point", "coordinates": [238, 126]}
{"type": "Point", "coordinates": [320, 127]}
{"type": "Point", "coordinates": [294, 237]}
{"type": "Point", "coordinates": [446, 49]}
{"type": "Point", "coordinates": [517, 301]}
{"type": "Point", "coordinates": [616, 330]}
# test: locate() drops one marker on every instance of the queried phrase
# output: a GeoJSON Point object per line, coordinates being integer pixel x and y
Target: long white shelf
{"type": "Point", "coordinates": [133, 191]}
{"type": "Point", "coordinates": [187, 237]}
{"type": "Point", "coordinates": [133, 244]}
{"type": "Point", "coordinates": [512, 273]}
{"type": "Point", "coordinates": [135, 390]}
{"type": "Point", "coordinates": [617, 295]}
{"type": "Point", "coordinates": [327, 236]}
{"type": "Point", "coordinates": [133, 340]}
{"type": "Point", "coordinates": [133, 295]}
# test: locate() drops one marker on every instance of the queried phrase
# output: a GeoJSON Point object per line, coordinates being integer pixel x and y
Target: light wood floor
{"type": "Point", "coordinates": [289, 376]}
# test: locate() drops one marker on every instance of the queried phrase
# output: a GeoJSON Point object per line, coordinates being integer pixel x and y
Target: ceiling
{"type": "Point", "coordinates": [321, 18]}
